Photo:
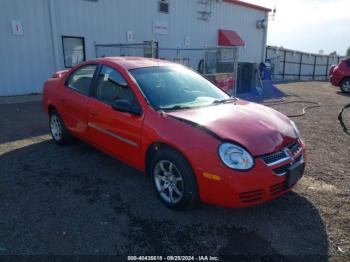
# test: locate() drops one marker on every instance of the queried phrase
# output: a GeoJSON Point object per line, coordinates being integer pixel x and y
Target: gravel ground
{"type": "Point", "coordinates": [75, 200]}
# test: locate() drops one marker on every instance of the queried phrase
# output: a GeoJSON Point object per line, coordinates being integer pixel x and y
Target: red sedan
{"type": "Point", "coordinates": [340, 75]}
{"type": "Point", "coordinates": [192, 139]}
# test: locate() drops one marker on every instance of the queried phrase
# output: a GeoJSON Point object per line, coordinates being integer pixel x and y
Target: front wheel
{"type": "Point", "coordinates": [174, 180]}
{"type": "Point", "coordinates": [345, 85]}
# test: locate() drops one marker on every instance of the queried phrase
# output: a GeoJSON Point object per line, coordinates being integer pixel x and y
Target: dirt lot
{"type": "Point", "coordinates": [75, 200]}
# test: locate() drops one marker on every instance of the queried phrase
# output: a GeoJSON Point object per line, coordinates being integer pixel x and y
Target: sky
{"type": "Point", "coordinates": [309, 25]}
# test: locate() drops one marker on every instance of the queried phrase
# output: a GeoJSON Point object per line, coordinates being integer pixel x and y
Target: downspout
{"type": "Point", "coordinates": [263, 53]}
{"type": "Point", "coordinates": [53, 29]}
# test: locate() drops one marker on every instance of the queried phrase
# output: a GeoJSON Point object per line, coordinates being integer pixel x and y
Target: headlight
{"type": "Point", "coordinates": [235, 157]}
{"type": "Point", "coordinates": [296, 130]}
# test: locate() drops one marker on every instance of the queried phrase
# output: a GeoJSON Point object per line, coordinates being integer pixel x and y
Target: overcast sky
{"type": "Point", "coordinates": [309, 25]}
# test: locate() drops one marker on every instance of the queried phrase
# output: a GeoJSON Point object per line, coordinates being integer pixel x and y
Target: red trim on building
{"type": "Point", "coordinates": [257, 7]}
{"type": "Point", "coordinates": [229, 38]}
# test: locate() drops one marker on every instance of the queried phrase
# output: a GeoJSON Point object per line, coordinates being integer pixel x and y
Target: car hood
{"type": "Point", "coordinates": [260, 129]}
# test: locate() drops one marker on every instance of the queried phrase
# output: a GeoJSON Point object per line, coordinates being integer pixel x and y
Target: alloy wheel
{"type": "Point", "coordinates": [346, 86]}
{"type": "Point", "coordinates": [169, 182]}
{"type": "Point", "coordinates": [56, 128]}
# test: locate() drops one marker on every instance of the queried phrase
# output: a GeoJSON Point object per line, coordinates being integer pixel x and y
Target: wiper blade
{"type": "Point", "coordinates": [223, 101]}
{"type": "Point", "coordinates": [176, 107]}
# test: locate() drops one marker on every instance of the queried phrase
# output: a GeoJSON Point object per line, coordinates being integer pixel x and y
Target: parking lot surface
{"type": "Point", "coordinates": [75, 200]}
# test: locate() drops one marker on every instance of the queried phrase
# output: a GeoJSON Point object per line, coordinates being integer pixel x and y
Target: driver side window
{"type": "Point", "coordinates": [111, 86]}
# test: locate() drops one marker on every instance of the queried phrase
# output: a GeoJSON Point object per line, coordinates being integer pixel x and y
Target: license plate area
{"type": "Point", "coordinates": [294, 173]}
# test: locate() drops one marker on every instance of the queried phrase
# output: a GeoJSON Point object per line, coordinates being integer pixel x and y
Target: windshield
{"type": "Point", "coordinates": [176, 87]}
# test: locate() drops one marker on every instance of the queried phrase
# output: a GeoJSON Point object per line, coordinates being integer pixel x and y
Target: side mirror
{"type": "Point", "coordinates": [124, 105]}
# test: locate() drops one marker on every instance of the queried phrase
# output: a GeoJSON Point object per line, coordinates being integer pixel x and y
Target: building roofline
{"type": "Point", "coordinates": [249, 5]}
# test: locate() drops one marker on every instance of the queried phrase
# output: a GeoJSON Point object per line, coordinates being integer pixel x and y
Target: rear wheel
{"type": "Point", "coordinates": [345, 85]}
{"type": "Point", "coordinates": [174, 180]}
{"type": "Point", "coordinates": [59, 132]}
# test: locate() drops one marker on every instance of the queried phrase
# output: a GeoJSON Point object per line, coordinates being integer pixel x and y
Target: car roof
{"type": "Point", "coordinates": [130, 62]}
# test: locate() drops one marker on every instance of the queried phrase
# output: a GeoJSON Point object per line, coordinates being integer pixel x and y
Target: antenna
{"type": "Point", "coordinates": [272, 16]}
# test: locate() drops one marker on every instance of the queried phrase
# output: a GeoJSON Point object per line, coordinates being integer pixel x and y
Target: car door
{"type": "Point", "coordinates": [118, 133]}
{"type": "Point", "coordinates": [74, 99]}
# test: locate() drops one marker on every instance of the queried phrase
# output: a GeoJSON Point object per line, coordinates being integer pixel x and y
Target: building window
{"type": "Point", "coordinates": [163, 7]}
{"type": "Point", "coordinates": [73, 50]}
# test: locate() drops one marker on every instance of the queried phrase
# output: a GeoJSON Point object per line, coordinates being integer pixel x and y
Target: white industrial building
{"type": "Point", "coordinates": [39, 37]}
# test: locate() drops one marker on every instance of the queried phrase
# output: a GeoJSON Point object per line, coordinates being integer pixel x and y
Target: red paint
{"type": "Point", "coordinates": [259, 129]}
{"type": "Point", "coordinates": [339, 72]}
{"type": "Point", "coordinates": [229, 38]}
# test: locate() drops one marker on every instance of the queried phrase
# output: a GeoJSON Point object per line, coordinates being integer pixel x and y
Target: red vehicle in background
{"type": "Point", "coordinates": [193, 140]}
{"type": "Point", "coordinates": [340, 75]}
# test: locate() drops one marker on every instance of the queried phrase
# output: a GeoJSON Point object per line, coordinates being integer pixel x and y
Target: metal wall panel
{"type": "Point", "coordinates": [107, 21]}
{"type": "Point", "coordinates": [30, 58]}
{"type": "Point", "coordinates": [26, 60]}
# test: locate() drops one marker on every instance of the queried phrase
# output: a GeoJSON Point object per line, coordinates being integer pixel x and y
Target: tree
{"type": "Point", "coordinates": [334, 53]}
{"type": "Point", "coordinates": [348, 52]}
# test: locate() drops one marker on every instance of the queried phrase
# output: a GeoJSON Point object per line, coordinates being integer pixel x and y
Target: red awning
{"type": "Point", "coordinates": [230, 38]}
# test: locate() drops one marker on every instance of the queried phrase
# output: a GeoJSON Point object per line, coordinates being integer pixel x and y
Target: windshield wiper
{"type": "Point", "coordinates": [175, 107]}
{"type": "Point", "coordinates": [223, 101]}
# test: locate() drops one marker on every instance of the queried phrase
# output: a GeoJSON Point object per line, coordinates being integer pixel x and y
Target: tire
{"type": "Point", "coordinates": [174, 180]}
{"type": "Point", "coordinates": [345, 85]}
{"type": "Point", "coordinates": [59, 132]}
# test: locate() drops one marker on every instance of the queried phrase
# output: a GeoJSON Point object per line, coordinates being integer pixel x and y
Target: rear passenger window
{"type": "Point", "coordinates": [111, 86]}
{"type": "Point", "coordinates": [81, 79]}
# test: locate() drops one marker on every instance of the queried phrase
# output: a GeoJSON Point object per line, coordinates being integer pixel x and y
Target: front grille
{"type": "Point", "coordinates": [280, 155]}
{"type": "Point", "coordinates": [298, 159]}
{"type": "Point", "coordinates": [278, 188]}
{"type": "Point", "coordinates": [268, 159]}
{"type": "Point", "coordinates": [284, 169]}
{"type": "Point", "coordinates": [281, 170]}
{"type": "Point", "coordinates": [294, 147]}
{"type": "Point", "coordinates": [252, 196]}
